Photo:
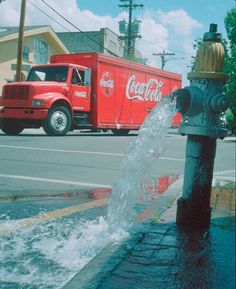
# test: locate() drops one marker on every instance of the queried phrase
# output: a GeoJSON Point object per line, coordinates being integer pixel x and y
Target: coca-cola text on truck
{"type": "Point", "coordinates": [85, 91]}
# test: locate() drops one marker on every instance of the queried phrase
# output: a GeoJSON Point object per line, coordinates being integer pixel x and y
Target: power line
{"type": "Point", "coordinates": [54, 21]}
{"type": "Point", "coordinates": [89, 44]}
{"type": "Point", "coordinates": [76, 28]}
{"type": "Point", "coordinates": [171, 50]}
{"type": "Point", "coordinates": [65, 19]}
{"type": "Point", "coordinates": [48, 15]}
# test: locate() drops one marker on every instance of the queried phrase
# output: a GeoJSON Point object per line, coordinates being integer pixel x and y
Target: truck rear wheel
{"type": "Point", "coordinates": [11, 127]}
{"type": "Point", "coordinates": [120, 131]}
{"type": "Point", "coordinates": [58, 121]}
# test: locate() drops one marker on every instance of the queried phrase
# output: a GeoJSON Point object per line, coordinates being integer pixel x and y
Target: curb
{"type": "Point", "coordinates": [90, 275]}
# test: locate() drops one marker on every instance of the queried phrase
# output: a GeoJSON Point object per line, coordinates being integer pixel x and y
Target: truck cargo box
{"type": "Point", "coordinates": [122, 92]}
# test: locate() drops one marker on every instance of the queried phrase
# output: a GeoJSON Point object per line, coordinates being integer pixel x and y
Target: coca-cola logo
{"type": "Point", "coordinates": [81, 94]}
{"type": "Point", "coordinates": [107, 83]}
{"type": "Point", "coordinates": [144, 91]}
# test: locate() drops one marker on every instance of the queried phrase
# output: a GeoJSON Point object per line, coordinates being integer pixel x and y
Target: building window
{"type": "Point", "coordinates": [26, 53]}
{"type": "Point", "coordinates": [40, 51]}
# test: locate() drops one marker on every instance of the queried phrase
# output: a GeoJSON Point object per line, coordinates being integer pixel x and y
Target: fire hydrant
{"type": "Point", "coordinates": [202, 105]}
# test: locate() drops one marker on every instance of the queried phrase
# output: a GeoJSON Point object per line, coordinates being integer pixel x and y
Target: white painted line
{"type": "Point", "coordinates": [81, 152]}
{"type": "Point", "coordinates": [223, 178]}
{"type": "Point", "coordinates": [28, 178]}
{"type": "Point", "coordinates": [225, 172]}
{"type": "Point", "coordinates": [61, 151]}
{"type": "Point", "coordinates": [229, 175]}
{"type": "Point", "coordinates": [172, 159]}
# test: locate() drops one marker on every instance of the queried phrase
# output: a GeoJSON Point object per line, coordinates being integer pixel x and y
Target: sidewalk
{"type": "Point", "coordinates": [163, 255]}
{"type": "Point", "coordinates": [171, 257]}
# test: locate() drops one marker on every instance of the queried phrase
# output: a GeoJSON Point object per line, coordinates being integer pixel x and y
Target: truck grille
{"type": "Point", "coordinates": [16, 92]}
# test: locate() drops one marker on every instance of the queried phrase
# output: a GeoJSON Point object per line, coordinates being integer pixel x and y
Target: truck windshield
{"type": "Point", "coordinates": [48, 73]}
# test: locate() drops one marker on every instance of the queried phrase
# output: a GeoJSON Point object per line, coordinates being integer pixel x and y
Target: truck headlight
{"type": "Point", "coordinates": [38, 102]}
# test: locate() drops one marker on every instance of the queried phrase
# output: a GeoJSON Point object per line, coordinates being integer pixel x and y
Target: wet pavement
{"type": "Point", "coordinates": [170, 257]}
{"type": "Point", "coordinates": [163, 255]}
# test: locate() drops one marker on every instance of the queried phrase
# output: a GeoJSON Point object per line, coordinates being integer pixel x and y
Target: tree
{"type": "Point", "coordinates": [230, 66]}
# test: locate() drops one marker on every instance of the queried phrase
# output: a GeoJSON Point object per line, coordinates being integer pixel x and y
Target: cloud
{"type": "Point", "coordinates": [154, 33]}
{"type": "Point", "coordinates": [83, 19]}
{"type": "Point", "coordinates": [180, 21]}
{"type": "Point", "coordinates": [172, 31]}
{"type": "Point", "coordinates": [9, 13]}
{"type": "Point", "coordinates": [155, 38]}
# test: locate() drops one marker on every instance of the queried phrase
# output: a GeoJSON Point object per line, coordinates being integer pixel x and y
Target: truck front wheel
{"type": "Point", "coordinates": [58, 121]}
{"type": "Point", "coordinates": [11, 127]}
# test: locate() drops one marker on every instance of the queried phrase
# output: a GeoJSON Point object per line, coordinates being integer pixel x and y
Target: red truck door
{"type": "Point", "coordinates": [80, 91]}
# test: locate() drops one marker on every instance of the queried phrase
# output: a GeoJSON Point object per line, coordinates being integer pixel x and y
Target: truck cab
{"type": "Point", "coordinates": [54, 96]}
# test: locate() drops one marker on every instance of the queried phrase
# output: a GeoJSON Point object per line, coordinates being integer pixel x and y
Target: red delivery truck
{"type": "Point", "coordinates": [85, 91]}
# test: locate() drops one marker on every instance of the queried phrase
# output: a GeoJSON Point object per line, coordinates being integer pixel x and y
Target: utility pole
{"type": "Point", "coordinates": [163, 59]}
{"type": "Point", "coordinates": [20, 41]}
{"type": "Point", "coordinates": [130, 34]}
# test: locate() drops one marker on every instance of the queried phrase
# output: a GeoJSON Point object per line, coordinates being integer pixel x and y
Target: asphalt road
{"type": "Point", "coordinates": [35, 163]}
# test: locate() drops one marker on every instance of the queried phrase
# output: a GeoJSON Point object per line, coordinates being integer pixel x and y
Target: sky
{"type": "Point", "coordinates": [165, 25]}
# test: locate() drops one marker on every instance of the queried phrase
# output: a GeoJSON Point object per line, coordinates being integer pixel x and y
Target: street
{"type": "Point", "coordinates": [53, 196]}
{"type": "Point", "coordinates": [33, 164]}
{"type": "Point", "coordinates": [37, 163]}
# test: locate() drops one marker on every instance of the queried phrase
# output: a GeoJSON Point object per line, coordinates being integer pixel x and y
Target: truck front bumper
{"type": "Point", "coordinates": [23, 113]}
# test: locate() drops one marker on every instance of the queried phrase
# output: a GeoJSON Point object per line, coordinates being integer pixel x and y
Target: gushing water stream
{"type": "Point", "coordinates": [137, 162]}
{"type": "Point", "coordinates": [47, 255]}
